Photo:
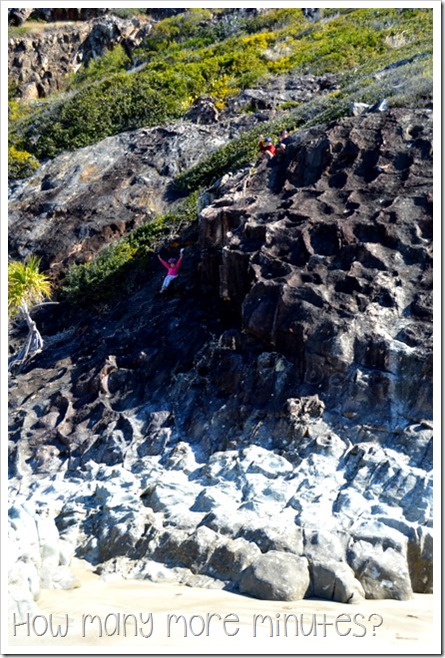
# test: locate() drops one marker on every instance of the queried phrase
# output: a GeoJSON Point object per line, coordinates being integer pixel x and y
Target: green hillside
{"type": "Point", "coordinates": [195, 53]}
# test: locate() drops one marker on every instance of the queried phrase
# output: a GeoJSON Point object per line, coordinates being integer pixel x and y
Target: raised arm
{"type": "Point", "coordinates": [165, 264]}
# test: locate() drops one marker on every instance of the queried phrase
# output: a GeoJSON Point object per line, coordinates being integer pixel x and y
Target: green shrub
{"type": "Point", "coordinates": [110, 62]}
{"type": "Point", "coordinates": [102, 277]}
{"type": "Point", "coordinates": [127, 13]}
{"type": "Point", "coordinates": [21, 164]}
{"type": "Point", "coordinates": [177, 30]}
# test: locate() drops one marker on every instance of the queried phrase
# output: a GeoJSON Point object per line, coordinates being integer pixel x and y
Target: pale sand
{"type": "Point", "coordinates": [407, 626]}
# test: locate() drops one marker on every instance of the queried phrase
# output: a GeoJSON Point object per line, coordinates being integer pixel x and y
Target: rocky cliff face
{"type": "Point", "coordinates": [39, 62]}
{"type": "Point", "coordinates": [267, 426]}
{"type": "Point", "coordinates": [78, 202]}
{"type": "Point", "coordinates": [329, 258]}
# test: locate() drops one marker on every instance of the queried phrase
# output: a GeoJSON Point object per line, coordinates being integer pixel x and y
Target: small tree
{"type": "Point", "coordinates": [27, 287]}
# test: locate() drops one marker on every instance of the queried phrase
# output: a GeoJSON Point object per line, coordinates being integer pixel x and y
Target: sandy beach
{"type": "Point", "coordinates": [114, 615]}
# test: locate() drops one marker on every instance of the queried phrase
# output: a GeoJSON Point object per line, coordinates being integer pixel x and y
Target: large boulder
{"type": "Point", "coordinates": [335, 581]}
{"type": "Point", "coordinates": [382, 571]}
{"type": "Point", "coordinates": [276, 576]}
{"type": "Point", "coordinates": [18, 16]}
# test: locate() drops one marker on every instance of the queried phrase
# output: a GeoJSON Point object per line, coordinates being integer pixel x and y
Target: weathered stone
{"type": "Point", "coordinates": [382, 572]}
{"type": "Point", "coordinates": [336, 582]}
{"type": "Point", "coordinates": [276, 536]}
{"type": "Point", "coordinates": [231, 557]}
{"type": "Point", "coordinates": [165, 495]}
{"type": "Point", "coordinates": [191, 550]}
{"type": "Point", "coordinates": [18, 16]}
{"type": "Point", "coordinates": [325, 547]}
{"type": "Point", "coordinates": [276, 576]}
{"type": "Point", "coordinates": [75, 190]}
{"type": "Point", "coordinates": [48, 545]}
{"type": "Point", "coordinates": [197, 549]}
{"type": "Point", "coordinates": [199, 433]}
{"type": "Point", "coordinates": [203, 110]}
{"type": "Point", "coordinates": [420, 560]}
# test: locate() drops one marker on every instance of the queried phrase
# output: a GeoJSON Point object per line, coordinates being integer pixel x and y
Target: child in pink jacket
{"type": "Point", "coordinates": [172, 266]}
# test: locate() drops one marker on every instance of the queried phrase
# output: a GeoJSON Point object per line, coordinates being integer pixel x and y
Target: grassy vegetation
{"type": "Point", "coordinates": [19, 31]}
{"type": "Point", "coordinates": [33, 26]}
{"type": "Point", "coordinates": [128, 12]}
{"type": "Point", "coordinates": [189, 54]}
{"type": "Point", "coordinates": [21, 163]}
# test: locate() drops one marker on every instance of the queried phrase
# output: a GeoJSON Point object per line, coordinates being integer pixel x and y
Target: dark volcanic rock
{"type": "Point", "coordinates": [333, 267]}
{"type": "Point", "coordinates": [18, 16]}
{"type": "Point", "coordinates": [78, 202]}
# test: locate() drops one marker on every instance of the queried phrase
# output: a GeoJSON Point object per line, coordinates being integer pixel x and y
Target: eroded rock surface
{"type": "Point", "coordinates": [78, 202]}
{"type": "Point", "coordinates": [277, 405]}
{"type": "Point", "coordinates": [337, 274]}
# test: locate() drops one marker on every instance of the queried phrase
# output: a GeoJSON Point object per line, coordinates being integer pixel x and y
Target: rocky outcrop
{"type": "Point", "coordinates": [38, 558]}
{"type": "Point", "coordinates": [336, 275]}
{"type": "Point", "coordinates": [281, 91]}
{"type": "Point", "coordinates": [80, 201]}
{"type": "Point", "coordinates": [19, 16]}
{"type": "Point", "coordinates": [39, 62]}
{"type": "Point", "coordinates": [275, 409]}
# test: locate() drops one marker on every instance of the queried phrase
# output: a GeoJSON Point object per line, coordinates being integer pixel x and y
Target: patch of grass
{"type": "Point", "coordinates": [18, 31]}
{"type": "Point", "coordinates": [35, 26]}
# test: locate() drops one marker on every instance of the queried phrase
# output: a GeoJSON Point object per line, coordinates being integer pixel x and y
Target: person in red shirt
{"type": "Point", "coordinates": [172, 266]}
{"type": "Point", "coordinates": [267, 148]}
